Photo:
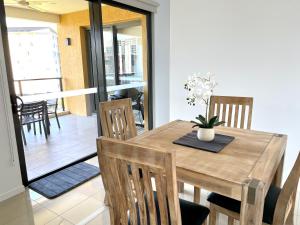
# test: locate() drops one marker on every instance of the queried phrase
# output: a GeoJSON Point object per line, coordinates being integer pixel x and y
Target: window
{"type": "Point", "coordinates": [35, 57]}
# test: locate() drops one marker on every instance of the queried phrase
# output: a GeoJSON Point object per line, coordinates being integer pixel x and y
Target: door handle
{"type": "Point", "coordinates": [16, 104]}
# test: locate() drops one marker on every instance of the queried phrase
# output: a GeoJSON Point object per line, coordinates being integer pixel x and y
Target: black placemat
{"type": "Point", "coordinates": [191, 140]}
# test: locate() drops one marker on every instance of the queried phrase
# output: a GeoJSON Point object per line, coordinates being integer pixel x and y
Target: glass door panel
{"type": "Point", "coordinates": [108, 42]}
{"type": "Point", "coordinates": [130, 54]}
{"type": "Point", "coordinates": [50, 62]}
{"type": "Point", "coordinates": [128, 31]}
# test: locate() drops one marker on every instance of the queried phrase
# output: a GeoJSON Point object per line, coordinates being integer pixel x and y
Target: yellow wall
{"type": "Point", "coordinates": [73, 58]}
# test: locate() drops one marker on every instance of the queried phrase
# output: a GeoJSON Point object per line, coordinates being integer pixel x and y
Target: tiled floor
{"type": "Point", "coordinates": [83, 206]}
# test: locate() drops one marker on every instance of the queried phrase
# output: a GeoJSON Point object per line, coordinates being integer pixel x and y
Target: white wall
{"type": "Point", "coordinates": [161, 61]}
{"type": "Point", "coordinates": [10, 177]}
{"type": "Point", "coordinates": [253, 47]}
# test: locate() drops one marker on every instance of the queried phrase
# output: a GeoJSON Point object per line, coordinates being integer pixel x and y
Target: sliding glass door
{"type": "Point", "coordinates": [56, 123]}
{"type": "Point", "coordinates": [126, 54]}
{"type": "Point", "coordinates": [109, 56]}
{"type": "Point", "coordinates": [97, 53]}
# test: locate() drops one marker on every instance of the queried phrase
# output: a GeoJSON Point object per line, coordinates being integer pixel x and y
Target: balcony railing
{"type": "Point", "coordinates": [35, 86]}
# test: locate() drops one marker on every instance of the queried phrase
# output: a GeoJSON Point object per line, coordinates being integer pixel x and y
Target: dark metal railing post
{"type": "Point", "coordinates": [62, 89]}
{"type": "Point", "coordinates": [116, 54]}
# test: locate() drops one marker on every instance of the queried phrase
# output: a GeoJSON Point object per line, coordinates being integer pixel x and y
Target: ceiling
{"type": "Point", "coordinates": [53, 6]}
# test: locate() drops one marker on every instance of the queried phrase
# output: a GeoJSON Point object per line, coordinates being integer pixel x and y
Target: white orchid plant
{"type": "Point", "coordinates": [200, 88]}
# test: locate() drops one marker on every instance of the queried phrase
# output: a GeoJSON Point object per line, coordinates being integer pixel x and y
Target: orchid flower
{"type": "Point", "coordinates": [200, 88]}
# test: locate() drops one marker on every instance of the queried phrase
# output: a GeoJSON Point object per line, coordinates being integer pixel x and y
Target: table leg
{"type": "Point", "coordinates": [252, 202]}
{"type": "Point", "coordinates": [106, 200]}
{"type": "Point", "coordinates": [278, 175]}
{"type": "Point", "coordinates": [180, 186]}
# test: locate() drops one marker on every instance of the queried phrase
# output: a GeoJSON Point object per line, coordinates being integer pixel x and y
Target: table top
{"type": "Point", "coordinates": [252, 154]}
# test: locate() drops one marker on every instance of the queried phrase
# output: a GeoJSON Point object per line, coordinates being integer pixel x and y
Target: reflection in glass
{"type": "Point", "coordinates": [130, 56]}
{"type": "Point", "coordinates": [109, 56]}
{"type": "Point", "coordinates": [123, 50]}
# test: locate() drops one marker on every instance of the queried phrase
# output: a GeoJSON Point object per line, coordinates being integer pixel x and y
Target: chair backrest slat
{"type": "Point", "coordinates": [287, 198]}
{"type": "Point", "coordinates": [117, 119]}
{"type": "Point", "coordinates": [235, 111]}
{"type": "Point", "coordinates": [34, 108]}
{"type": "Point", "coordinates": [130, 174]}
{"type": "Point", "coordinates": [139, 189]}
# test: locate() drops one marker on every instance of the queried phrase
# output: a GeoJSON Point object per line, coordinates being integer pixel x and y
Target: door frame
{"type": "Point", "coordinates": [98, 73]}
{"type": "Point", "coordinates": [13, 97]}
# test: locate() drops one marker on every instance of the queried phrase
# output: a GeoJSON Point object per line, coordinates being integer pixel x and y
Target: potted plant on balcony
{"type": "Point", "coordinates": [200, 89]}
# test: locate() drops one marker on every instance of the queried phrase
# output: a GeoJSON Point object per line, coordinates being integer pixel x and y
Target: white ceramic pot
{"type": "Point", "coordinates": [206, 134]}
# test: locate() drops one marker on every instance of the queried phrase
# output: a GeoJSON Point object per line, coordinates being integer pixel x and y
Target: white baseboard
{"type": "Point", "coordinates": [12, 193]}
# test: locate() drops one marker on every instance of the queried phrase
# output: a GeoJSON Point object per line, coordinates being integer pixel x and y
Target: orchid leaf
{"type": "Point", "coordinates": [219, 123]}
{"type": "Point", "coordinates": [213, 121]}
{"type": "Point", "coordinates": [195, 122]}
{"type": "Point", "coordinates": [202, 119]}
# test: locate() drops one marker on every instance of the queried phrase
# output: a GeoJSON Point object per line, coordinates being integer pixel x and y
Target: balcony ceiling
{"type": "Point", "coordinates": [51, 6]}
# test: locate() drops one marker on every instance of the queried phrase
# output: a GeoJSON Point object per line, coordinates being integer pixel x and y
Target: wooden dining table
{"type": "Point", "coordinates": [243, 170]}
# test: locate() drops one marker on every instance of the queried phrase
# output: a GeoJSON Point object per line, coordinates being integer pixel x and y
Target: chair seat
{"type": "Point", "coordinates": [191, 213]}
{"type": "Point", "coordinates": [235, 205]}
{"type": "Point", "coordinates": [27, 120]}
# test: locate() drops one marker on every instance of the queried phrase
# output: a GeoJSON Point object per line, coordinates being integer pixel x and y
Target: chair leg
{"type": "Point", "coordinates": [34, 129]}
{"type": "Point", "coordinates": [180, 186]}
{"type": "Point", "coordinates": [40, 127]}
{"type": "Point", "coordinates": [48, 122]}
{"type": "Point", "coordinates": [23, 134]}
{"type": "Point", "coordinates": [141, 117]}
{"type": "Point", "coordinates": [230, 220]}
{"type": "Point", "coordinates": [28, 127]}
{"type": "Point", "coordinates": [197, 194]}
{"type": "Point", "coordinates": [47, 119]}
{"type": "Point", "coordinates": [45, 130]}
{"type": "Point", "coordinates": [142, 112]}
{"type": "Point", "coordinates": [290, 218]}
{"type": "Point", "coordinates": [58, 124]}
{"type": "Point", "coordinates": [213, 215]}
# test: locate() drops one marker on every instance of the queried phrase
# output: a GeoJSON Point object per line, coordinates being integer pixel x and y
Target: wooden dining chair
{"type": "Point", "coordinates": [235, 111]}
{"type": "Point", "coordinates": [117, 119]}
{"type": "Point", "coordinates": [279, 203]}
{"type": "Point", "coordinates": [148, 199]}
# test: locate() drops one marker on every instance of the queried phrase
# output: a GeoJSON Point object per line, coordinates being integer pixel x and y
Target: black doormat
{"type": "Point", "coordinates": [215, 146]}
{"type": "Point", "coordinates": [65, 180]}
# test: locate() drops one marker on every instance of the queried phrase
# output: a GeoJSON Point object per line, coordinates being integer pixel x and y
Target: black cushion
{"type": "Point", "coordinates": [191, 213]}
{"type": "Point", "coordinates": [235, 205]}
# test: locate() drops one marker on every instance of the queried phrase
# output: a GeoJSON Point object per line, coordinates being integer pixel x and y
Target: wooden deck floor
{"type": "Point", "coordinates": [76, 139]}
